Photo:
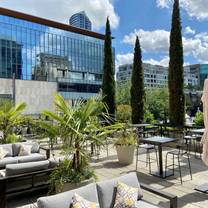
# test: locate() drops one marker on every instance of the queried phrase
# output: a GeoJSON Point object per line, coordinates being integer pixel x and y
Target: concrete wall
{"type": "Point", "coordinates": [38, 95]}
{"type": "Point", "coordinates": [5, 86]}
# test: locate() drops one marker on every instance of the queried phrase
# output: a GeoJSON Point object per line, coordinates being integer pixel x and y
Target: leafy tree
{"type": "Point", "coordinates": [137, 86]}
{"type": "Point", "coordinates": [199, 120]}
{"type": "Point", "coordinates": [157, 103]}
{"type": "Point", "coordinates": [123, 93]}
{"type": "Point", "coordinates": [176, 78]}
{"type": "Point", "coordinates": [108, 85]}
{"type": "Point", "coordinates": [123, 113]}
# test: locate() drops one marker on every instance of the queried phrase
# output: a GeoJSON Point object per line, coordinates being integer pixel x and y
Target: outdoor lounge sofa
{"type": "Point", "coordinates": [13, 151]}
{"type": "Point", "coordinates": [103, 193]}
{"type": "Point", "coordinates": [24, 178]}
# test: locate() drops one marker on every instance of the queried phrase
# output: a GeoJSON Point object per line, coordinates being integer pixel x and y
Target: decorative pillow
{"type": "Point", "coordinates": [80, 202]}
{"type": "Point", "coordinates": [25, 150]}
{"type": "Point", "coordinates": [3, 153]}
{"type": "Point", "coordinates": [126, 196]}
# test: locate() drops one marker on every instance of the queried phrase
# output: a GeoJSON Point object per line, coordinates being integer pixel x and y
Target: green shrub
{"type": "Point", "coordinates": [123, 113]}
{"type": "Point", "coordinates": [13, 138]}
{"type": "Point", "coordinates": [199, 120]}
{"type": "Point", "coordinates": [65, 173]}
{"type": "Point", "coordinates": [127, 137]}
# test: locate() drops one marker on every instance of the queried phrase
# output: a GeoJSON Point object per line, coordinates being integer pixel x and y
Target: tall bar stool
{"type": "Point", "coordinates": [149, 160]}
{"type": "Point", "coordinates": [178, 154]}
{"type": "Point", "coordinates": [198, 147]}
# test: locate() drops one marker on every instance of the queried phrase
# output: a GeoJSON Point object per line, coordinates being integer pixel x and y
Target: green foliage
{"type": "Point", "coordinates": [108, 85]}
{"type": "Point", "coordinates": [149, 117]}
{"type": "Point", "coordinates": [11, 118]}
{"type": "Point", "coordinates": [65, 173]}
{"type": "Point", "coordinates": [127, 137]}
{"type": "Point", "coordinates": [137, 86]}
{"type": "Point", "coordinates": [199, 119]}
{"type": "Point", "coordinates": [123, 113]}
{"type": "Point", "coordinates": [176, 77]}
{"type": "Point", "coordinates": [13, 138]}
{"type": "Point", "coordinates": [123, 95]}
{"type": "Point", "coordinates": [77, 127]}
{"type": "Point", "coordinates": [157, 103]}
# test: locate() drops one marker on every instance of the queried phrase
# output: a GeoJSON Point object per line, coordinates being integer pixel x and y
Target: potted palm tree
{"type": "Point", "coordinates": [125, 146]}
{"type": "Point", "coordinates": [79, 126]}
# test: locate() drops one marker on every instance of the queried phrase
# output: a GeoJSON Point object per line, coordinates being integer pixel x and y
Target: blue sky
{"type": "Point", "coordinates": [149, 19]}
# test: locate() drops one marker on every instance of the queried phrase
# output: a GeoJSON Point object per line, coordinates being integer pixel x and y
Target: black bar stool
{"type": "Point", "coordinates": [149, 160]}
{"type": "Point", "coordinates": [178, 154]}
{"type": "Point", "coordinates": [198, 147]}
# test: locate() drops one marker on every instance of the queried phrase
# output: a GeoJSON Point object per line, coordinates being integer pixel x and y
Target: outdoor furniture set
{"type": "Point", "coordinates": [104, 194]}
{"type": "Point", "coordinates": [22, 173]}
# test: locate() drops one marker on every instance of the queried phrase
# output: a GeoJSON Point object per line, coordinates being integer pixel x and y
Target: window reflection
{"type": "Point", "coordinates": [38, 52]}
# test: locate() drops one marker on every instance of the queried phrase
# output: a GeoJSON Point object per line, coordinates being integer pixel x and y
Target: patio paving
{"type": "Point", "coordinates": [108, 167]}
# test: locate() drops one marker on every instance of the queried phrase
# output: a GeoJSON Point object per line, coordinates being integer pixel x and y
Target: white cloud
{"type": "Point", "coordinates": [157, 42]}
{"type": "Point", "coordinates": [124, 58]}
{"type": "Point", "coordinates": [151, 41]}
{"type": "Point", "coordinates": [61, 10]}
{"type": "Point", "coordinates": [189, 30]}
{"type": "Point", "coordinates": [163, 62]}
{"type": "Point", "coordinates": [128, 59]}
{"type": "Point", "coordinates": [163, 3]}
{"type": "Point", "coordinates": [194, 8]}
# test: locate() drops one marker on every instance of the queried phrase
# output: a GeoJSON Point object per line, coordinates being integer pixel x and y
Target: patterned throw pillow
{"type": "Point", "coordinates": [3, 153]}
{"type": "Point", "coordinates": [80, 202]}
{"type": "Point", "coordinates": [126, 196]}
{"type": "Point", "coordinates": [25, 150]}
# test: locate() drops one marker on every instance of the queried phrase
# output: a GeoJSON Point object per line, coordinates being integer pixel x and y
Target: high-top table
{"type": "Point", "coordinates": [198, 131]}
{"type": "Point", "coordinates": [160, 142]}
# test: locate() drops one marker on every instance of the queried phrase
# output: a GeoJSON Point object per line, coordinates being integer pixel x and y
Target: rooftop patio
{"type": "Point", "coordinates": [108, 167]}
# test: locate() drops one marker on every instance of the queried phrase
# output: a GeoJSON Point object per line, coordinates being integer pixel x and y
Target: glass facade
{"type": "Point", "coordinates": [38, 52]}
{"type": "Point", "coordinates": [203, 74]}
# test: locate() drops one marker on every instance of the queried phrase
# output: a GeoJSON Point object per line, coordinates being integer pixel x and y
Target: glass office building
{"type": "Point", "coordinates": [33, 48]}
{"type": "Point", "coordinates": [81, 20]}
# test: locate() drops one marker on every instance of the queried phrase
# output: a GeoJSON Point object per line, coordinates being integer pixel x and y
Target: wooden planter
{"type": "Point", "coordinates": [125, 154]}
{"type": "Point", "coordinates": [71, 186]}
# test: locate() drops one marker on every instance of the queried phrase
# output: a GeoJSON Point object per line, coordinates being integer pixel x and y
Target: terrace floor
{"type": "Point", "coordinates": [108, 167]}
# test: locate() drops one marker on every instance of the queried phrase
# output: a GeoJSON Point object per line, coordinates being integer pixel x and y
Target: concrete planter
{"type": "Point", "coordinates": [71, 186]}
{"type": "Point", "coordinates": [125, 154]}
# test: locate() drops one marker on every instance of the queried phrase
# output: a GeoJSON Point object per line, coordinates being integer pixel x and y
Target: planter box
{"type": "Point", "coordinates": [125, 154]}
{"type": "Point", "coordinates": [71, 186]}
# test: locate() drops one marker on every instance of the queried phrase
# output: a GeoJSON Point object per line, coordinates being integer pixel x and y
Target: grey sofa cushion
{"type": "Point", "coordinates": [16, 147]}
{"type": "Point", "coordinates": [107, 189]}
{"type": "Point", "coordinates": [8, 160]}
{"type": "Point", "coordinates": [31, 158]}
{"type": "Point", "coordinates": [53, 163]}
{"type": "Point", "coordinates": [15, 169]}
{"type": "Point", "coordinates": [8, 148]}
{"type": "Point", "coordinates": [63, 200]}
{"type": "Point", "coordinates": [144, 204]}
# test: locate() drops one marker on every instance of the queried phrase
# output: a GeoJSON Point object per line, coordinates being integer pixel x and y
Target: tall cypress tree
{"type": "Point", "coordinates": [137, 86]}
{"type": "Point", "coordinates": [108, 85]}
{"type": "Point", "coordinates": [176, 77]}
